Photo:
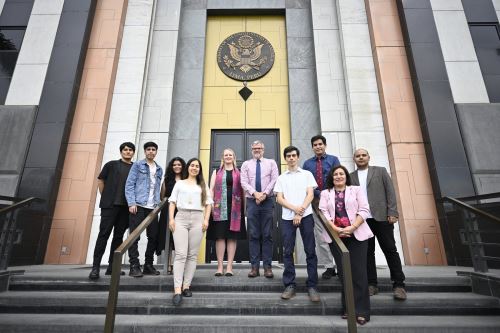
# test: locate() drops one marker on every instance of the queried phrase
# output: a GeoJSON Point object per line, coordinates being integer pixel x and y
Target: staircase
{"type": "Point", "coordinates": [62, 299]}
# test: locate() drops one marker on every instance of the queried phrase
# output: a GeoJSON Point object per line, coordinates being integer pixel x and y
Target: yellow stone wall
{"type": "Point", "coordinates": [223, 107]}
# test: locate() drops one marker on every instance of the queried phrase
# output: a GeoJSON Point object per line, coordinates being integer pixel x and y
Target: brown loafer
{"type": "Point", "coordinates": [399, 293]}
{"type": "Point", "coordinates": [268, 273]}
{"type": "Point", "coordinates": [254, 272]}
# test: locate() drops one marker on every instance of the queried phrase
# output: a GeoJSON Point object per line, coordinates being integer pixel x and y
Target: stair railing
{"type": "Point", "coordinates": [9, 235]}
{"type": "Point", "coordinates": [471, 233]}
{"type": "Point", "coordinates": [346, 268]}
{"type": "Point", "coordinates": [114, 286]}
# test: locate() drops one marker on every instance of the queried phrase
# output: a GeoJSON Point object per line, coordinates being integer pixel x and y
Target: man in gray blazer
{"type": "Point", "coordinates": [382, 199]}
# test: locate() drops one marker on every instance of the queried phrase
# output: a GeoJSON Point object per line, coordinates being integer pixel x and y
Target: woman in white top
{"type": "Point", "coordinates": [192, 199]}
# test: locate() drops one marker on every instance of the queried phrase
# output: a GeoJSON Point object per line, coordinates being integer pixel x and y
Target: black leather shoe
{"type": "Point", "coordinates": [135, 271]}
{"type": "Point", "coordinates": [109, 271]}
{"type": "Point", "coordinates": [149, 270]}
{"type": "Point", "coordinates": [187, 293]}
{"type": "Point", "coordinates": [94, 273]}
{"type": "Point", "coordinates": [177, 299]}
{"type": "Point", "coordinates": [328, 274]}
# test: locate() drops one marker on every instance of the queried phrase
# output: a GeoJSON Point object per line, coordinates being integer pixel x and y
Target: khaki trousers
{"type": "Point", "coordinates": [187, 238]}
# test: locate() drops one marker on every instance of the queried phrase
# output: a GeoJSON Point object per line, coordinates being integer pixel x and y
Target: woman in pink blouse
{"type": "Point", "coordinates": [346, 208]}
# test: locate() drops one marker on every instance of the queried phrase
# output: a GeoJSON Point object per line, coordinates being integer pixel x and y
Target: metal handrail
{"type": "Point", "coordinates": [346, 267]}
{"type": "Point", "coordinates": [109, 324]}
{"type": "Point", "coordinates": [8, 229]}
{"type": "Point", "coordinates": [472, 209]}
{"type": "Point", "coordinates": [471, 232]}
{"type": "Point", "coordinates": [480, 196]}
{"type": "Point", "coordinates": [16, 205]}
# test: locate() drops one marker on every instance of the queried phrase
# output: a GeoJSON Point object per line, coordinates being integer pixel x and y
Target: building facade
{"type": "Point", "coordinates": [415, 82]}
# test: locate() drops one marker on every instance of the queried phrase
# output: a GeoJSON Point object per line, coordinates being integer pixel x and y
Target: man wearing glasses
{"type": "Point", "coordinates": [258, 176]}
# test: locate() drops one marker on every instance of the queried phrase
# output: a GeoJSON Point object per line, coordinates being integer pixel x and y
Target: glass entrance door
{"type": "Point", "coordinates": [240, 141]}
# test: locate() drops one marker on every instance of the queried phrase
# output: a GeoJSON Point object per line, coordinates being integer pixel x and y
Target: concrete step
{"type": "Point", "coordinates": [237, 303]}
{"type": "Point", "coordinates": [55, 323]}
{"type": "Point", "coordinates": [207, 282]}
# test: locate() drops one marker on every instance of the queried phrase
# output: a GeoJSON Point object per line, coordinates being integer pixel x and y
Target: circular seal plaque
{"type": "Point", "coordinates": [245, 56]}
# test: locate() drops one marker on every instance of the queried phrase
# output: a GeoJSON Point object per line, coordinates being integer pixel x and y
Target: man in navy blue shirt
{"type": "Point", "coordinates": [320, 165]}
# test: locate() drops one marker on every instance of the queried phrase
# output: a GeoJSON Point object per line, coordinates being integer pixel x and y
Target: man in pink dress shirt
{"type": "Point", "coordinates": [258, 176]}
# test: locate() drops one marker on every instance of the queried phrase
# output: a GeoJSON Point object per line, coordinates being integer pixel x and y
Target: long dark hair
{"type": "Point", "coordinates": [170, 174]}
{"type": "Point", "coordinates": [329, 178]}
{"type": "Point", "coordinates": [199, 179]}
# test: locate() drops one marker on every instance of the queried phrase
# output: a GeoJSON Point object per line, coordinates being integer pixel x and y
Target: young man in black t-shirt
{"type": "Point", "coordinates": [114, 208]}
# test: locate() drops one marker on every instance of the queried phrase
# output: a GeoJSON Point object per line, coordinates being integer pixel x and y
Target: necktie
{"type": "Point", "coordinates": [319, 173]}
{"type": "Point", "coordinates": [258, 186]}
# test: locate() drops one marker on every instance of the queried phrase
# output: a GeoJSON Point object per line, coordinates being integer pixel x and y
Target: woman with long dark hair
{"type": "Point", "coordinates": [346, 208]}
{"type": "Point", "coordinates": [227, 225]}
{"type": "Point", "coordinates": [191, 197]}
{"type": "Point", "coordinates": [174, 173]}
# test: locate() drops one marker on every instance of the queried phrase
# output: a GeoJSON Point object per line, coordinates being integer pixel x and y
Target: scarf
{"type": "Point", "coordinates": [220, 199]}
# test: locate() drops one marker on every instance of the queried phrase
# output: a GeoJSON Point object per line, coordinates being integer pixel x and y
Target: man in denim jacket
{"type": "Point", "coordinates": [142, 191]}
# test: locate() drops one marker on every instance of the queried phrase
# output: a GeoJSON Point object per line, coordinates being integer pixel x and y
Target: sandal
{"type": "Point", "coordinates": [361, 320]}
{"type": "Point", "coordinates": [218, 274]}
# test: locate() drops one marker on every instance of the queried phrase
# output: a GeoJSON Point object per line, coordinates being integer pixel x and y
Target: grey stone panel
{"type": "Point", "coordinates": [300, 52]}
{"type": "Point", "coordinates": [46, 145]}
{"type": "Point", "coordinates": [298, 4]}
{"type": "Point", "coordinates": [458, 181]}
{"type": "Point", "coordinates": [185, 121]}
{"type": "Point", "coordinates": [183, 148]}
{"type": "Point", "coordinates": [480, 124]}
{"type": "Point", "coordinates": [8, 184]}
{"type": "Point", "coordinates": [16, 13]}
{"type": "Point", "coordinates": [487, 182]}
{"type": "Point", "coordinates": [305, 123]}
{"type": "Point", "coordinates": [16, 126]}
{"type": "Point", "coordinates": [188, 89]}
{"type": "Point", "coordinates": [245, 4]}
{"type": "Point", "coordinates": [185, 117]}
{"type": "Point", "coordinates": [192, 57]}
{"type": "Point", "coordinates": [416, 4]}
{"type": "Point", "coordinates": [302, 85]}
{"type": "Point", "coordinates": [193, 4]}
{"type": "Point", "coordinates": [193, 24]}
{"type": "Point", "coordinates": [424, 19]}
{"type": "Point", "coordinates": [299, 23]}
{"type": "Point", "coordinates": [443, 139]}
{"type": "Point", "coordinates": [479, 11]}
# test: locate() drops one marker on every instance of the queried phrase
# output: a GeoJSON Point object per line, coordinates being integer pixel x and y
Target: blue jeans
{"type": "Point", "coordinates": [289, 232]}
{"type": "Point", "coordinates": [260, 222]}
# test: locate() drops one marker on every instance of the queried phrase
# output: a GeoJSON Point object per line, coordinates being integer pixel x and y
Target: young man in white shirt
{"type": "Point", "coordinates": [295, 191]}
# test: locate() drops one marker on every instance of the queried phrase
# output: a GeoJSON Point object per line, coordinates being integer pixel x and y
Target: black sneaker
{"type": "Point", "coordinates": [94, 273]}
{"type": "Point", "coordinates": [329, 273]}
{"type": "Point", "coordinates": [135, 271]}
{"type": "Point", "coordinates": [149, 270]}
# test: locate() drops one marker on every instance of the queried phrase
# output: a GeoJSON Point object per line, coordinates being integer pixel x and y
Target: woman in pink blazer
{"type": "Point", "coordinates": [346, 208]}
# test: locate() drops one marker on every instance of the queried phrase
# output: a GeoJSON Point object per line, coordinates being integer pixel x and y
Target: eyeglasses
{"type": "Point", "coordinates": [257, 148]}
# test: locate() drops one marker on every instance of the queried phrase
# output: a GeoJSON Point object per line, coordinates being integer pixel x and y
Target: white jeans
{"type": "Point", "coordinates": [188, 234]}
